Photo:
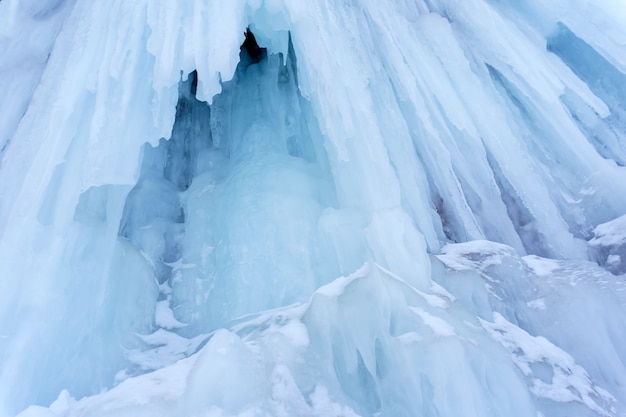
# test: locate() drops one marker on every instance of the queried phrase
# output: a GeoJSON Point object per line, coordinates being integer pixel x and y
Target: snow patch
{"type": "Point", "coordinates": [438, 325]}
{"type": "Point", "coordinates": [478, 254]}
{"type": "Point", "coordinates": [569, 381]}
{"type": "Point", "coordinates": [164, 316]}
{"type": "Point", "coordinates": [541, 266]}
{"type": "Point", "coordinates": [611, 233]}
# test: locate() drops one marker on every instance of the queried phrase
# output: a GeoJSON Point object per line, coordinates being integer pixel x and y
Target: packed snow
{"type": "Point", "coordinates": [608, 245]}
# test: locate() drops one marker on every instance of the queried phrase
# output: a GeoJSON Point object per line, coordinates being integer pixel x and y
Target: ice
{"type": "Point", "coordinates": [27, 34]}
{"type": "Point", "coordinates": [608, 245]}
{"type": "Point", "coordinates": [371, 209]}
{"type": "Point", "coordinates": [612, 233]}
{"type": "Point", "coordinates": [437, 325]}
{"type": "Point", "coordinates": [162, 348]}
{"type": "Point", "coordinates": [541, 266]}
{"type": "Point", "coordinates": [540, 310]}
{"type": "Point", "coordinates": [260, 368]}
{"type": "Point", "coordinates": [567, 381]}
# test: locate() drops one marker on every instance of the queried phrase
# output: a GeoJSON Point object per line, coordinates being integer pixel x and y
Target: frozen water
{"type": "Point", "coordinates": [608, 245]}
{"type": "Point", "coordinates": [262, 366]}
{"type": "Point", "coordinates": [545, 310]}
{"type": "Point", "coordinates": [368, 209]}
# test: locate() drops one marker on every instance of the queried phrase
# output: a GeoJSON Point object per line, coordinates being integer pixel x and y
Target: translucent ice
{"type": "Point", "coordinates": [272, 207]}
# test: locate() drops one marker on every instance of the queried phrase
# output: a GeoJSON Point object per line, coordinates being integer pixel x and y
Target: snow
{"type": "Point", "coordinates": [541, 266]}
{"type": "Point", "coordinates": [404, 203]}
{"type": "Point", "coordinates": [569, 381]}
{"type": "Point", "coordinates": [439, 326]}
{"type": "Point", "coordinates": [608, 246]}
{"type": "Point", "coordinates": [554, 317]}
{"type": "Point", "coordinates": [337, 287]}
{"type": "Point", "coordinates": [474, 255]}
{"type": "Point", "coordinates": [613, 260]}
{"type": "Point", "coordinates": [164, 316]}
{"type": "Point", "coordinates": [539, 304]}
{"type": "Point", "coordinates": [610, 233]}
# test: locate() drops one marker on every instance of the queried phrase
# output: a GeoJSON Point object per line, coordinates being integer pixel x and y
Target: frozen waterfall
{"type": "Point", "coordinates": [323, 209]}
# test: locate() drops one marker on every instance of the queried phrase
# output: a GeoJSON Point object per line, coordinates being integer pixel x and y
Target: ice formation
{"type": "Point", "coordinates": [286, 208]}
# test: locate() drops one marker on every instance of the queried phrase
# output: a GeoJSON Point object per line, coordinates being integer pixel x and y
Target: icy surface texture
{"type": "Point", "coordinates": [561, 321]}
{"type": "Point", "coordinates": [175, 210]}
{"type": "Point", "coordinates": [608, 246]}
{"type": "Point", "coordinates": [340, 354]}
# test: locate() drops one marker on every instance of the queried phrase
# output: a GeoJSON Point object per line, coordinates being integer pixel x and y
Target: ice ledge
{"type": "Point", "coordinates": [608, 246]}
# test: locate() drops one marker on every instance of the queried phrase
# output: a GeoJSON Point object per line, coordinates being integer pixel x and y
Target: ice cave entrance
{"type": "Point", "coordinates": [249, 168]}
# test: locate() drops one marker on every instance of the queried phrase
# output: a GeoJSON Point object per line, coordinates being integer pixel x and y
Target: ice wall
{"type": "Point", "coordinates": [166, 196]}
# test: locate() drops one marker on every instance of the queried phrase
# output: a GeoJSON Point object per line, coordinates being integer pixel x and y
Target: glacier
{"type": "Point", "coordinates": [331, 208]}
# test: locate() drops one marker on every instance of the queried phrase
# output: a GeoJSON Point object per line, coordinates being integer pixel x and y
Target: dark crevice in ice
{"type": "Point", "coordinates": [446, 214]}
{"type": "Point", "coordinates": [519, 214]}
{"type": "Point", "coordinates": [250, 51]}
